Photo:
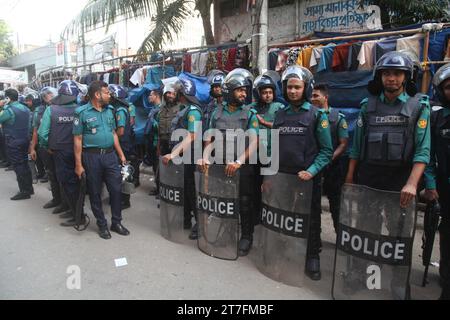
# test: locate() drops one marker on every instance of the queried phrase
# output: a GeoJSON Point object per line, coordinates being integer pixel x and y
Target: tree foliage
{"type": "Point", "coordinates": [6, 46]}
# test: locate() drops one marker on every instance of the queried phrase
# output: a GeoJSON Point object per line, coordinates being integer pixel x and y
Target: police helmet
{"type": "Point", "coordinates": [237, 78]}
{"type": "Point", "coordinates": [47, 93]}
{"type": "Point", "coordinates": [263, 82]}
{"type": "Point", "coordinates": [21, 99]}
{"type": "Point", "coordinates": [215, 77]}
{"type": "Point", "coordinates": [398, 61]}
{"type": "Point", "coordinates": [441, 75]}
{"type": "Point", "coordinates": [34, 97]}
{"type": "Point", "coordinates": [68, 91]}
{"type": "Point", "coordinates": [300, 73]}
{"type": "Point", "coordinates": [188, 89]}
{"type": "Point", "coordinates": [118, 91]}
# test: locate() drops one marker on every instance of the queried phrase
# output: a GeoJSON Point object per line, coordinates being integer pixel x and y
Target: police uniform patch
{"type": "Point", "coordinates": [345, 125]}
{"type": "Point", "coordinates": [118, 118]}
{"type": "Point", "coordinates": [191, 118]}
{"type": "Point", "coordinates": [255, 124]}
{"type": "Point", "coordinates": [76, 121]}
{"type": "Point", "coordinates": [324, 124]}
{"type": "Point", "coordinates": [94, 130]}
{"type": "Point", "coordinates": [359, 122]}
{"type": "Point", "coordinates": [422, 123]}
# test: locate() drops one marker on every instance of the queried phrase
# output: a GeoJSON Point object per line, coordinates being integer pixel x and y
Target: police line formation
{"type": "Point", "coordinates": [83, 136]}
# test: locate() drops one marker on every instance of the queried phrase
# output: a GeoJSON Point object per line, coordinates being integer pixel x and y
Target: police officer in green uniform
{"type": "Point", "coordinates": [391, 144]}
{"type": "Point", "coordinates": [15, 121]}
{"type": "Point", "coordinates": [305, 151]}
{"type": "Point", "coordinates": [55, 134]}
{"type": "Point", "coordinates": [151, 133]}
{"type": "Point", "coordinates": [437, 173]}
{"type": "Point", "coordinates": [95, 142]}
{"type": "Point", "coordinates": [36, 149]}
{"type": "Point", "coordinates": [215, 80]}
{"type": "Point", "coordinates": [136, 158]}
{"type": "Point", "coordinates": [264, 91]}
{"type": "Point", "coordinates": [124, 129]}
{"type": "Point", "coordinates": [163, 122]}
{"type": "Point", "coordinates": [33, 102]}
{"type": "Point", "coordinates": [189, 118]}
{"type": "Point", "coordinates": [233, 114]}
{"type": "Point", "coordinates": [335, 172]}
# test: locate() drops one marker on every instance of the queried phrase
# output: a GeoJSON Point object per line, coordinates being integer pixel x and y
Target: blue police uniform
{"type": "Point", "coordinates": [55, 134]}
{"type": "Point", "coordinates": [15, 121]}
{"type": "Point", "coordinates": [99, 159]}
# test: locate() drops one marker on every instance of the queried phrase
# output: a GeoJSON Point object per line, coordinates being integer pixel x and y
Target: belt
{"type": "Point", "coordinates": [98, 150]}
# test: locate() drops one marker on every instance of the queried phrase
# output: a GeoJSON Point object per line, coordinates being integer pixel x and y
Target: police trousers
{"type": "Point", "coordinates": [64, 162]}
{"type": "Point", "coordinates": [49, 164]}
{"type": "Point", "coordinates": [103, 168]}
{"type": "Point", "coordinates": [17, 150]}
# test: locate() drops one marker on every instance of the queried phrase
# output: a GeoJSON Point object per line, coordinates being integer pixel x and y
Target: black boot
{"type": "Point", "coordinates": [313, 268]}
{"type": "Point", "coordinates": [245, 244]}
{"type": "Point", "coordinates": [21, 196]}
{"type": "Point", "coordinates": [52, 204]}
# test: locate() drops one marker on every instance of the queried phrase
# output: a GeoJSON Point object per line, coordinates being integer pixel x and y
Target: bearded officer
{"type": "Point", "coordinates": [15, 121]}
{"type": "Point", "coordinates": [233, 114]}
{"type": "Point", "coordinates": [95, 141]}
{"type": "Point", "coordinates": [151, 133]}
{"type": "Point", "coordinates": [189, 118]}
{"type": "Point", "coordinates": [55, 133]}
{"type": "Point", "coordinates": [307, 152]}
{"type": "Point", "coordinates": [437, 173]}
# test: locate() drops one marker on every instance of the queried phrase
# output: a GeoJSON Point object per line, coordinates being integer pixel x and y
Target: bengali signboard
{"type": "Point", "coordinates": [338, 16]}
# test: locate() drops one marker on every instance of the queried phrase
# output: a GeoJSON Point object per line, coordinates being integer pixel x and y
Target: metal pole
{"type": "Point", "coordinates": [358, 36]}
{"type": "Point", "coordinates": [426, 68]}
{"type": "Point", "coordinates": [263, 25]}
{"type": "Point", "coordinates": [255, 38]}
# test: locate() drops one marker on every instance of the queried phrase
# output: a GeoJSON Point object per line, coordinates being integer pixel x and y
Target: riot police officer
{"type": "Point", "coordinates": [163, 122]}
{"type": "Point", "coordinates": [151, 133]}
{"type": "Point", "coordinates": [33, 103]}
{"type": "Point", "coordinates": [437, 173]}
{"type": "Point", "coordinates": [233, 114]}
{"type": "Point", "coordinates": [95, 142]}
{"type": "Point", "coordinates": [58, 201]}
{"type": "Point", "coordinates": [264, 92]}
{"type": "Point", "coordinates": [15, 121]}
{"type": "Point", "coordinates": [215, 79]}
{"type": "Point", "coordinates": [188, 119]}
{"type": "Point", "coordinates": [55, 134]}
{"type": "Point", "coordinates": [124, 130]}
{"type": "Point", "coordinates": [305, 151]}
{"type": "Point", "coordinates": [391, 146]}
{"type": "Point", "coordinates": [334, 174]}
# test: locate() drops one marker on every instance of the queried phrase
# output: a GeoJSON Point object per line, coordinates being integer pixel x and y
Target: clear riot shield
{"type": "Point", "coordinates": [218, 212]}
{"type": "Point", "coordinates": [171, 193]}
{"type": "Point", "coordinates": [374, 245]}
{"type": "Point", "coordinates": [282, 238]}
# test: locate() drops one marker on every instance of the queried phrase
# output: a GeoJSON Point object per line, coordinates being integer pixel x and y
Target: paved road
{"type": "Point", "coordinates": [35, 253]}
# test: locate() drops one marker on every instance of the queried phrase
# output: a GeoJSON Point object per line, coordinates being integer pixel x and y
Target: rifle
{"type": "Point", "coordinates": [430, 225]}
